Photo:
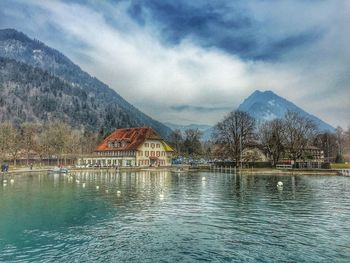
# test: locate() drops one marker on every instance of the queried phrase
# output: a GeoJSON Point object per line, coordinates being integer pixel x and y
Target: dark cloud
{"type": "Point", "coordinates": [276, 49]}
{"type": "Point", "coordinates": [220, 24]}
{"type": "Point", "coordinates": [209, 23]}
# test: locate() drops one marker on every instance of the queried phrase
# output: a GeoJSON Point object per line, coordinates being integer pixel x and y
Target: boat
{"type": "Point", "coordinates": [344, 172]}
{"type": "Point", "coordinates": [58, 170]}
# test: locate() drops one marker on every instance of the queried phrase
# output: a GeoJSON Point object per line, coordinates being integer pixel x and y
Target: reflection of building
{"type": "Point", "coordinates": [312, 157]}
{"type": "Point", "coordinates": [131, 147]}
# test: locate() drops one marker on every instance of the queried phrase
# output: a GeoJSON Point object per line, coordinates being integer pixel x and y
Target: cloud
{"type": "Point", "coordinates": [194, 61]}
{"type": "Point", "coordinates": [201, 109]}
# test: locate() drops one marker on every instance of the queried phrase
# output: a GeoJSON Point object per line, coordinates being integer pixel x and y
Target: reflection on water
{"type": "Point", "coordinates": [151, 216]}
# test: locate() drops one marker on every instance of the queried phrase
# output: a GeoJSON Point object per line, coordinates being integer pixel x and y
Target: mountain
{"type": "Point", "coordinates": [204, 128]}
{"type": "Point", "coordinates": [265, 106]}
{"type": "Point", "coordinates": [110, 109]}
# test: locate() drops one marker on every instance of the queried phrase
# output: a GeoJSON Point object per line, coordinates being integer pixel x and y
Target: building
{"type": "Point", "coordinates": [131, 147]}
{"type": "Point", "coordinates": [312, 157]}
{"type": "Point", "coordinates": [254, 154]}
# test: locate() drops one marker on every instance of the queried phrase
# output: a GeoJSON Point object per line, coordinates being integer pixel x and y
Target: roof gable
{"type": "Point", "coordinates": [128, 139]}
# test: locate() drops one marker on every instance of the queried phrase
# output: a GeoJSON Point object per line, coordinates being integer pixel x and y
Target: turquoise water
{"type": "Point", "coordinates": [169, 217]}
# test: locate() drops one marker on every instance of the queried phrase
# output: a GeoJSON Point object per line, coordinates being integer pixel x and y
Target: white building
{"type": "Point", "coordinates": [131, 147]}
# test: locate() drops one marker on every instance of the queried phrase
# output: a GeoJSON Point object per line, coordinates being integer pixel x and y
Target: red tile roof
{"type": "Point", "coordinates": [131, 137]}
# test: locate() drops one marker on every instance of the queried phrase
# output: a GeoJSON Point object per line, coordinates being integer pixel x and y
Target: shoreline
{"type": "Point", "coordinates": [182, 169]}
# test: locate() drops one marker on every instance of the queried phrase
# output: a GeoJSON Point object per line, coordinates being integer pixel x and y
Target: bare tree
{"type": "Point", "coordinates": [14, 143]}
{"type": "Point", "coordinates": [73, 144]}
{"type": "Point", "coordinates": [347, 139]}
{"type": "Point", "coordinates": [176, 140]}
{"type": "Point", "coordinates": [89, 141]}
{"type": "Point", "coordinates": [55, 139]}
{"type": "Point", "coordinates": [30, 133]}
{"type": "Point", "coordinates": [270, 135]}
{"type": "Point", "coordinates": [192, 144]}
{"type": "Point", "coordinates": [234, 133]}
{"type": "Point", "coordinates": [298, 132]}
{"type": "Point", "coordinates": [10, 141]}
{"type": "Point", "coordinates": [44, 148]}
{"type": "Point", "coordinates": [4, 134]}
{"type": "Point", "coordinates": [327, 142]}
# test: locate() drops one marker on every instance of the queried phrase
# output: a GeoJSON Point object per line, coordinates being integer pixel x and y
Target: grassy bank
{"type": "Point", "coordinates": [340, 165]}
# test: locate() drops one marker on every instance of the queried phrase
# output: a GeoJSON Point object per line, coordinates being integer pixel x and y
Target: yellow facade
{"type": "Point", "coordinates": [154, 153]}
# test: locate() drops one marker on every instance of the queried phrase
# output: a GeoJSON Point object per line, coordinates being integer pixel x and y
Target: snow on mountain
{"type": "Point", "coordinates": [266, 106]}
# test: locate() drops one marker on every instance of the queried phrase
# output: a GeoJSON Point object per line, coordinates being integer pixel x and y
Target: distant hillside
{"type": "Point", "coordinates": [31, 94]}
{"type": "Point", "coordinates": [112, 111]}
{"type": "Point", "coordinates": [265, 106]}
{"type": "Point", "coordinates": [205, 129]}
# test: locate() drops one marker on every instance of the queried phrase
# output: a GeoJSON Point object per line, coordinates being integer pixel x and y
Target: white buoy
{"type": "Point", "coordinates": [4, 181]}
{"type": "Point", "coordinates": [83, 185]}
{"type": "Point", "coordinates": [106, 191]}
{"type": "Point", "coordinates": [77, 181]}
{"type": "Point", "coordinates": [97, 187]}
{"type": "Point", "coordinates": [203, 178]}
{"type": "Point", "coordinates": [12, 181]}
{"type": "Point", "coordinates": [279, 184]}
{"type": "Point", "coordinates": [118, 193]}
{"type": "Point", "coordinates": [161, 196]}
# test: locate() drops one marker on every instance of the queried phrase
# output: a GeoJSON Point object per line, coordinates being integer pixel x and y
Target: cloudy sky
{"type": "Point", "coordinates": [194, 61]}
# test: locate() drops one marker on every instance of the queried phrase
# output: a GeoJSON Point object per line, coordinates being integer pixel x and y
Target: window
{"type": "Point", "coordinates": [147, 153]}
{"type": "Point", "coordinates": [152, 145]}
{"type": "Point", "coordinates": [158, 145]}
{"type": "Point", "coordinates": [158, 153]}
{"type": "Point", "coordinates": [146, 144]}
{"type": "Point", "coordinates": [152, 153]}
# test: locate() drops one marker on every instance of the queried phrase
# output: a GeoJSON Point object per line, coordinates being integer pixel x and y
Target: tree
{"type": "Point", "coordinates": [9, 141]}
{"type": "Point", "coordinates": [341, 140]}
{"type": "Point", "coordinates": [14, 143]}
{"type": "Point", "coordinates": [176, 140]}
{"type": "Point", "coordinates": [30, 133]}
{"type": "Point", "coordinates": [55, 139]}
{"type": "Point", "coordinates": [347, 139]}
{"type": "Point", "coordinates": [192, 144]}
{"type": "Point", "coordinates": [339, 158]}
{"type": "Point", "coordinates": [73, 144]}
{"type": "Point", "coordinates": [88, 142]}
{"type": "Point", "coordinates": [270, 136]}
{"type": "Point", "coordinates": [327, 142]}
{"type": "Point", "coordinates": [44, 148]}
{"type": "Point", "coordinates": [234, 133]}
{"type": "Point", "coordinates": [298, 132]}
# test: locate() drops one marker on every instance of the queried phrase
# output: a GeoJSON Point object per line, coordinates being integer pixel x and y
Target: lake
{"type": "Point", "coordinates": [163, 216]}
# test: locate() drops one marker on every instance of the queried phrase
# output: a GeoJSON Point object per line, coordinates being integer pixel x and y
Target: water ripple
{"type": "Point", "coordinates": [227, 218]}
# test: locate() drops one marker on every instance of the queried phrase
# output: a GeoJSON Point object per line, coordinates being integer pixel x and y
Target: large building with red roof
{"type": "Point", "coordinates": [131, 147]}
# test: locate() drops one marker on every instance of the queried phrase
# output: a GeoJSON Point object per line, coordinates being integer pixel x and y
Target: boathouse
{"type": "Point", "coordinates": [131, 147]}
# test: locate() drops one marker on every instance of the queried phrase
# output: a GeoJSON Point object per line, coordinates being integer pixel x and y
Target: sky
{"type": "Point", "coordinates": [194, 61]}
